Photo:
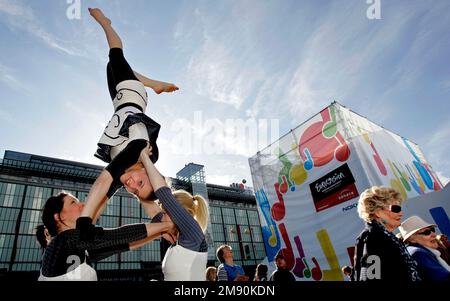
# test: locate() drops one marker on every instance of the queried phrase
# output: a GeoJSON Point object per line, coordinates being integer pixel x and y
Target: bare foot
{"type": "Point", "coordinates": [98, 15]}
{"type": "Point", "coordinates": [161, 87]}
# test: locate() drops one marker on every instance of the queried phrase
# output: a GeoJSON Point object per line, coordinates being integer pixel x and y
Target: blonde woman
{"type": "Point", "coordinates": [187, 258]}
{"type": "Point", "coordinates": [380, 255]}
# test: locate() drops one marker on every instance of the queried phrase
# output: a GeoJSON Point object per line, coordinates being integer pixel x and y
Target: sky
{"type": "Point", "coordinates": [270, 64]}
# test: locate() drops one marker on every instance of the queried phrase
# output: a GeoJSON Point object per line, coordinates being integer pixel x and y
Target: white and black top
{"type": "Point", "coordinates": [68, 245]}
{"type": "Point", "coordinates": [186, 260]}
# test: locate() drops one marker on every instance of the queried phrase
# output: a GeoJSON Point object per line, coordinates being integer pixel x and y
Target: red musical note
{"type": "Point", "coordinates": [278, 210]}
{"type": "Point", "coordinates": [378, 160]}
{"type": "Point", "coordinates": [287, 251]}
{"type": "Point", "coordinates": [316, 271]}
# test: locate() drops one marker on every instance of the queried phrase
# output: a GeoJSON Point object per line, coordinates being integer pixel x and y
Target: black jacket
{"type": "Point", "coordinates": [392, 263]}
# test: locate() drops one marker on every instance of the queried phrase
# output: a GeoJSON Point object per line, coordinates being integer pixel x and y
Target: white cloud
{"type": "Point", "coordinates": [21, 17]}
{"type": "Point", "coordinates": [436, 151]}
{"type": "Point", "coordinates": [8, 77]}
{"type": "Point", "coordinates": [221, 68]}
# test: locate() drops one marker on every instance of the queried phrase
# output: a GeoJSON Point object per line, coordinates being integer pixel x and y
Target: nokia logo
{"type": "Point", "coordinates": [350, 207]}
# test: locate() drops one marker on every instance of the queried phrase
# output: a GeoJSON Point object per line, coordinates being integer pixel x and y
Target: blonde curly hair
{"type": "Point", "coordinates": [376, 197]}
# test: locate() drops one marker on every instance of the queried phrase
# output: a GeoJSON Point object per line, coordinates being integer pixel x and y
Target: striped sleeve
{"type": "Point", "coordinates": [222, 274]}
{"type": "Point", "coordinates": [191, 235]}
{"type": "Point", "coordinates": [112, 241]}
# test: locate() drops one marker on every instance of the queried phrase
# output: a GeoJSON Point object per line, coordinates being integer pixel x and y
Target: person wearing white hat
{"type": "Point", "coordinates": [379, 254]}
{"type": "Point", "coordinates": [420, 237]}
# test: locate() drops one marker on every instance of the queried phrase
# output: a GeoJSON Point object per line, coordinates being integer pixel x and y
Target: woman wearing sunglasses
{"type": "Point", "coordinates": [379, 254]}
{"type": "Point", "coordinates": [420, 238]}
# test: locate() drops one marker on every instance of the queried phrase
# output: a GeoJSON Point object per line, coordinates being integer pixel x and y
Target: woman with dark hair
{"type": "Point", "coordinates": [261, 272]}
{"type": "Point", "coordinates": [43, 237]}
{"type": "Point", "coordinates": [67, 257]}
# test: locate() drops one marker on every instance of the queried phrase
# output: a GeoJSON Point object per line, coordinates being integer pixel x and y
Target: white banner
{"type": "Point", "coordinates": [307, 186]}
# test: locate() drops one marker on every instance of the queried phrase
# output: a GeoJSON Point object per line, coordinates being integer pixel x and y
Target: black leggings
{"type": "Point", "coordinates": [117, 70]}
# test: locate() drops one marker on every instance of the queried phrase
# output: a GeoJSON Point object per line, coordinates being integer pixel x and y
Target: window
{"type": "Point", "coordinates": [215, 214]}
{"type": "Point", "coordinates": [30, 219]}
{"type": "Point", "coordinates": [246, 233]}
{"type": "Point", "coordinates": [217, 231]}
{"type": "Point", "coordinates": [241, 217]}
{"type": "Point", "coordinates": [253, 217]}
{"type": "Point", "coordinates": [256, 233]}
{"type": "Point", "coordinates": [130, 207]}
{"type": "Point", "coordinates": [8, 218]}
{"type": "Point", "coordinates": [228, 216]}
{"type": "Point", "coordinates": [11, 194]}
{"type": "Point", "coordinates": [36, 197]}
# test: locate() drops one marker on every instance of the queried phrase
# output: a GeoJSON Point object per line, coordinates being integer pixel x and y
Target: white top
{"type": "Point", "coordinates": [128, 92]}
{"type": "Point", "coordinates": [83, 272]}
{"type": "Point", "coordinates": [181, 264]}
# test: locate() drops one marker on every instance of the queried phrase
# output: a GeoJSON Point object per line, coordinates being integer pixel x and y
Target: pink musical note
{"type": "Point", "coordinates": [378, 160]}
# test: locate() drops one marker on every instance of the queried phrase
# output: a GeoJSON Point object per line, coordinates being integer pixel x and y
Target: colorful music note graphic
{"type": "Point", "coordinates": [436, 185]}
{"type": "Point", "coordinates": [298, 174]}
{"type": "Point", "coordinates": [321, 142]}
{"type": "Point", "coordinates": [396, 183]}
{"type": "Point", "coordinates": [309, 163]}
{"type": "Point", "coordinates": [269, 232]}
{"type": "Point", "coordinates": [441, 218]}
{"type": "Point", "coordinates": [424, 172]}
{"type": "Point", "coordinates": [329, 129]}
{"type": "Point", "coordinates": [287, 251]}
{"type": "Point", "coordinates": [334, 273]}
{"type": "Point", "coordinates": [301, 268]}
{"type": "Point", "coordinates": [316, 271]}
{"type": "Point", "coordinates": [413, 182]}
{"type": "Point", "coordinates": [378, 161]}
{"type": "Point", "coordinates": [278, 209]}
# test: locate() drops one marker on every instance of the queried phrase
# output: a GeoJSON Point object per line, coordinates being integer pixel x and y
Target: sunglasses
{"type": "Point", "coordinates": [395, 208]}
{"type": "Point", "coordinates": [427, 232]}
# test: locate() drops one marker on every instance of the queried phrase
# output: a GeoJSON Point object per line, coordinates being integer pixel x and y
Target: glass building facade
{"type": "Point", "coordinates": [27, 181]}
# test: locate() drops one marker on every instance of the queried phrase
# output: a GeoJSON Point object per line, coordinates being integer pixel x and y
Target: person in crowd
{"type": "Point", "coordinates": [261, 272]}
{"type": "Point", "coordinates": [281, 274]}
{"type": "Point", "coordinates": [420, 237]}
{"type": "Point", "coordinates": [347, 271]}
{"type": "Point", "coordinates": [379, 254]}
{"type": "Point", "coordinates": [444, 247]}
{"type": "Point", "coordinates": [227, 270]}
{"type": "Point", "coordinates": [67, 257]}
{"type": "Point", "coordinates": [211, 274]}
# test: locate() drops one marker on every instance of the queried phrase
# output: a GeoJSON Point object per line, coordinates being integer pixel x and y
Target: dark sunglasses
{"type": "Point", "coordinates": [395, 208]}
{"type": "Point", "coordinates": [427, 231]}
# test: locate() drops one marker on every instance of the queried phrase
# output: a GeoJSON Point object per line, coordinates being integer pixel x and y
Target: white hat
{"type": "Point", "coordinates": [412, 225]}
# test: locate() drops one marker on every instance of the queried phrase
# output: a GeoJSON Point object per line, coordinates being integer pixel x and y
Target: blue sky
{"type": "Point", "coordinates": [233, 60]}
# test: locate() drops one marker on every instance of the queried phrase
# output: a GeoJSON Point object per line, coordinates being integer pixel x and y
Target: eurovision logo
{"type": "Point", "coordinates": [334, 188]}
